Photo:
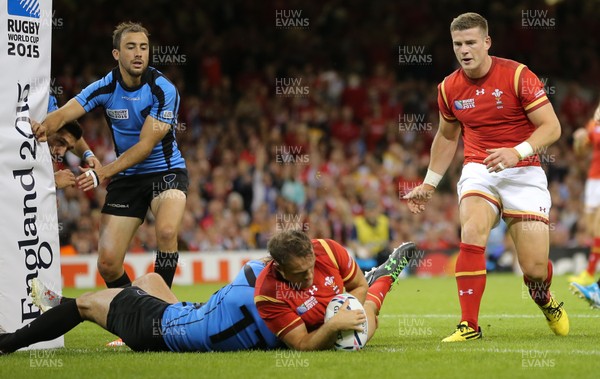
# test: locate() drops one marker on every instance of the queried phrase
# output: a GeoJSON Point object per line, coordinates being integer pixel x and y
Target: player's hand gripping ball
{"type": "Point", "coordinates": [347, 340]}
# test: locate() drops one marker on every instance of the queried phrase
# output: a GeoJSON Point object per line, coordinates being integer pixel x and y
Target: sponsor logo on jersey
{"type": "Point", "coordinates": [130, 98]}
{"type": "Point", "coordinates": [30, 8]}
{"type": "Point", "coordinates": [115, 205]}
{"type": "Point", "coordinates": [118, 114]}
{"type": "Point", "coordinates": [464, 104]}
{"type": "Point", "coordinates": [169, 178]}
{"type": "Point", "coordinates": [166, 114]}
{"type": "Point", "coordinates": [480, 91]}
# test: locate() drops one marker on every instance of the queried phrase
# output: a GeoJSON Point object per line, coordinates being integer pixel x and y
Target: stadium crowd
{"type": "Point", "coordinates": [301, 127]}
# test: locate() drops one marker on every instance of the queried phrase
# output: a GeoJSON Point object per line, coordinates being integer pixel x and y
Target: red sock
{"type": "Point", "coordinates": [379, 289]}
{"type": "Point", "coordinates": [540, 292]}
{"type": "Point", "coordinates": [470, 279]}
{"type": "Point", "coordinates": [594, 257]}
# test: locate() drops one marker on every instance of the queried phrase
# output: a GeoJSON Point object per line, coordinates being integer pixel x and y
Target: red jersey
{"type": "Point", "coordinates": [593, 128]}
{"type": "Point", "coordinates": [492, 110]}
{"type": "Point", "coordinates": [283, 307]}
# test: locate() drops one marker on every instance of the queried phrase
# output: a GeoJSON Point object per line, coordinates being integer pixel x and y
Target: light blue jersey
{"type": "Point", "coordinates": [52, 103]}
{"type": "Point", "coordinates": [228, 321]}
{"type": "Point", "coordinates": [126, 109]}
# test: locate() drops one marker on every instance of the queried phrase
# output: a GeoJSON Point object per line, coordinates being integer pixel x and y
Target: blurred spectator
{"type": "Point", "coordinates": [371, 237]}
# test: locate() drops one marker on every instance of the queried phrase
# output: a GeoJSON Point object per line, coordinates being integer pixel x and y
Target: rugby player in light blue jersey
{"type": "Point", "coordinates": [148, 316]}
{"type": "Point", "coordinates": [140, 106]}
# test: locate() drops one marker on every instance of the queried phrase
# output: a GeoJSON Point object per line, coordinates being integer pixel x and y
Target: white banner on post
{"type": "Point", "coordinates": [28, 224]}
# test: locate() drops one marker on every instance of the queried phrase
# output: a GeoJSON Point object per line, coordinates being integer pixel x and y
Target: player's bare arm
{"type": "Point", "coordinates": [581, 138]}
{"type": "Point", "coordinates": [358, 286]}
{"type": "Point", "coordinates": [64, 178]}
{"type": "Point", "coordinates": [71, 111]}
{"type": "Point", "coordinates": [547, 131]}
{"type": "Point", "coordinates": [581, 142]}
{"type": "Point", "coordinates": [444, 146]}
{"type": "Point", "coordinates": [324, 337]}
{"type": "Point", "coordinates": [443, 149]}
{"type": "Point", "coordinates": [82, 150]}
{"type": "Point", "coordinates": [151, 134]}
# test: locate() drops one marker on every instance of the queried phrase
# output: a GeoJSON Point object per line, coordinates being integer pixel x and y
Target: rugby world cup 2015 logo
{"type": "Point", "coordinates": [30, 9]}
{"type": "Point", "coordinates": [464, 104]}
{"type": "Point", "coordinates": [24, 8]}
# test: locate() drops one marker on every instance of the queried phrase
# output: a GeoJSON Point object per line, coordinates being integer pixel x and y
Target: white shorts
{"type": "Point", "coordinates": [592, 195]}
{"type": "Point", "coordinates": [518, 192]}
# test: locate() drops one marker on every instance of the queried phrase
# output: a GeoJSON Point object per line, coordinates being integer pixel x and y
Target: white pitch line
{"type": "Point", "coordinates": [482, 316]}
{"type": "Point", "coordinates": [529, 352]}
{"type": "Point", "coordinates": [495, 350]}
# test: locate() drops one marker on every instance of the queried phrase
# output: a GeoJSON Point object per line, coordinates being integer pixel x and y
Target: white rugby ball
{"type": "Point", "coordinates": [347, 340]}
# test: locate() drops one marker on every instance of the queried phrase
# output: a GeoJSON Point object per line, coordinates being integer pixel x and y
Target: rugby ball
{"type": "Point", "coordinates": [347, 340]}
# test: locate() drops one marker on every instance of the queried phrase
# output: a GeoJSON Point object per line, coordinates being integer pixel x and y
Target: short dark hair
{"type": "Point", "coordinates": [74, 129]}
{"type": "Point", "coordinates": [290, 243]}
{"type": "Point", "coordinates": [127, 27]}
{"type": "Point", "coordinates": [469, 20]}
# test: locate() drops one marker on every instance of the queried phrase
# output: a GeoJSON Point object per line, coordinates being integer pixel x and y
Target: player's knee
{"type": "Point", "coordinates": [109, 269]}
{"type": "Point", "coordinates": [474, 233]}
{"type": "Point", "coordinates": [536, 271]}
{"type": "Point", "coordinates": [147, 279]}
{"type": "Point", "coordinates": [84, 305]}
{"type": "Point", "coordinates": [166, 234]}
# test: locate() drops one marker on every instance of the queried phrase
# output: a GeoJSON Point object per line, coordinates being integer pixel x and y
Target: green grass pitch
{"type": "Point", "coordinates": [416, 315]}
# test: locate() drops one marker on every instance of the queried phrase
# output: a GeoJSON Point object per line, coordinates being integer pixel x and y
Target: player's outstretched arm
{"type": "Point", "coordinates": [443, 149]}
{"type": "Point", "coordinates": [71, 111]}
{"type": "Point", "coordinates": [64, 178]}
{"type": "Point", "coordinates": [325, 337]}
{"type": "Point", "coordinates": [82, 150]}
{"type": "Point", "coordinates": [153, 131]}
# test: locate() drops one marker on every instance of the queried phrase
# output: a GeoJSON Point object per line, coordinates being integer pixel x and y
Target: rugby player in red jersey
{"type": "Point", "coordinates": [294, 289]}
{"type": "Point", "coordinates": [502, 110]}
{"type": "Point", "coordinates": [585, 140]}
